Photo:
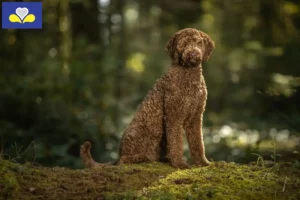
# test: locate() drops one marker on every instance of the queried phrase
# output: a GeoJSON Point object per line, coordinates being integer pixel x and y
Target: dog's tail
{"type": "Point", "coordinates": [87, 159]}
{"type": "Point", "coordinates": [85, 154]}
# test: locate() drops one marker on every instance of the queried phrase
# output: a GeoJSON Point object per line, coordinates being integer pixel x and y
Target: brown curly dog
{"type": "Point", "coordinates": [175, 104]}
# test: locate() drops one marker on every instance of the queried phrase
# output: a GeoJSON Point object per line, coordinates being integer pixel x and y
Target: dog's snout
{"type": "Point", "coordinates": [193, 54]}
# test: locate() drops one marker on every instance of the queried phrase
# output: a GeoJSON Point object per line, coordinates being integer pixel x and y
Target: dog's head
{"type": "Point", "coordinates": [189, 47]}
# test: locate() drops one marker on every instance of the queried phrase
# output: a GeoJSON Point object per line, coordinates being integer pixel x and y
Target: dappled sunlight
{"type": "Point", "coordinates": [245, 137]}
{"type": "Point", "coordinates": [116, 18]}
{"type": "Point", "coordinates": [209, 19]}
{"type": "Point", "coordinates": [131, 15]}
{"type": "Point", "coordinates": [290, 8]}
{"type": "Point", "coordinates": [114, 155]}
{"type": "Point", "coordinates": [52, 52]}
{"type": "Point", "coordinates": [136, 62]}
{"type": "Point", "coordinates": [274, 51]}
{"type": "Point", "coordinates": [104, 3]}
{"type": "Point", "coordinates": [225, 131]}
{"type": "Point", "coordinates": [280, 136]}
{"type": "Point", "coordinates": [237, 141]}
{"type": "Point", "coordinates": [253, 45]}
{"type": "Point", "coordinates": [282, 79]}
{"type": "Point", "coordinates": [283, 85]}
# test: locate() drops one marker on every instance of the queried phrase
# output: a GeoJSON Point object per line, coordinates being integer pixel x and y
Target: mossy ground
{"type": "Point", "coordinates": [220, 180]}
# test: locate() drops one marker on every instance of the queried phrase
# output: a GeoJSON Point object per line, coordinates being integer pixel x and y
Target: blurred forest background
{"type": "Point", "coordinates": [83, 75]}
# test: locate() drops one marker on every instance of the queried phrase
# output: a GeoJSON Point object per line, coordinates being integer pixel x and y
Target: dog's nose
{"type": "Point", "coordinates": [193, 54]}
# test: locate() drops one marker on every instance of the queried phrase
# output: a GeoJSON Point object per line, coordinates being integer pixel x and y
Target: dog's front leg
{"type": "Point", "coordinates": [175, 146]}
{"type": "Point", "coordinates": [195, 140]}
{"type": "Point", "coordinates": [174, 132]}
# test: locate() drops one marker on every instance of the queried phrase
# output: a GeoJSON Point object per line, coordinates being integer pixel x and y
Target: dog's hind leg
{"type": "Point", "coordinates": [138, 158]}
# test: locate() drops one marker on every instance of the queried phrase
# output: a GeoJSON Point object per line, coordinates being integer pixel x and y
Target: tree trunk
{"type": "Point", "coordinates": [66, 37]}
{"type": "Point", "coordinates": [121, 64]}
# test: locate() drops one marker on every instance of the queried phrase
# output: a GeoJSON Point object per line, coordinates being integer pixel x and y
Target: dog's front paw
{"type": "Point", "coordinates": [203, 162]}
{"type": "Point", "coordinates": [180, 165]}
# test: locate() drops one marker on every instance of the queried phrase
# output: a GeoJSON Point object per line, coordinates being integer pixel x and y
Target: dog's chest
{"type": "Point", "coordinates": [195, 93]}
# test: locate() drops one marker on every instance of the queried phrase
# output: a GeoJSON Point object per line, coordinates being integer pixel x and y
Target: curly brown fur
{"type": "Point", "coordinates": [175, 104]}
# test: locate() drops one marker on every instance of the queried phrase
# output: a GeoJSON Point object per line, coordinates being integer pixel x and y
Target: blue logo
{"type": "Point", "coordinates": [21, 15]}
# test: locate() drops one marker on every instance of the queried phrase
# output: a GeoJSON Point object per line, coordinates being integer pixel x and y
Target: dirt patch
{"type": "Point", "coordinates": [183, 181]}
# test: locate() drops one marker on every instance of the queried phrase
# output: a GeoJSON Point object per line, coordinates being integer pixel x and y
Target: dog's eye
{"type": "Point", "coordinates": [199, 42]}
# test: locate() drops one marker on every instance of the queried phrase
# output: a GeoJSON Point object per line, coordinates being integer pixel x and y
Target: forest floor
{"type": "Point", "coordinates": [220, 180]}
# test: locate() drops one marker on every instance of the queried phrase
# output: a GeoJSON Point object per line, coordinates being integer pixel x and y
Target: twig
{"type": "Point", "coordinates": [283, 189]}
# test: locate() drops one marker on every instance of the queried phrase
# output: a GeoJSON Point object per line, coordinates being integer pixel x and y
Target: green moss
{"type": "Point", "coordinates": [223, 181]}
{"type": "Point", "coordinates": [220, 180]}
{"type": "Point", "coordinates": [8, 182]}
{"type": "Point", "coordinates": [121, 182]}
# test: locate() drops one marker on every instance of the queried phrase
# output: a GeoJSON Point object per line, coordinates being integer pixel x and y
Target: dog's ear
{"type": "Point", "coordinates": [209, 47]}
{"type": "Point", "coordinates": [171, 46]}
